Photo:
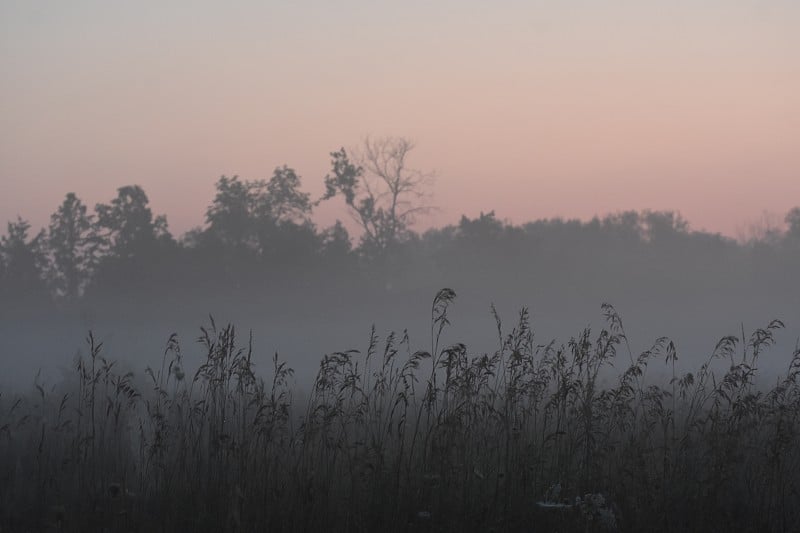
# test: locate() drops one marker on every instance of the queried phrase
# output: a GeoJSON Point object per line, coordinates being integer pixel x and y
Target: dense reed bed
{"type": "Point", "coordinates": [532, 437]}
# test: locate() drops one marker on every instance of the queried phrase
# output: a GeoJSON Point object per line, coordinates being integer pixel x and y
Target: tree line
{"type": "Point", "coordinates": [257, 230]}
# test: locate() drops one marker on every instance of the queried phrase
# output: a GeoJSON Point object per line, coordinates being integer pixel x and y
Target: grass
{"type": "Point", "coordinates": [532, 437]}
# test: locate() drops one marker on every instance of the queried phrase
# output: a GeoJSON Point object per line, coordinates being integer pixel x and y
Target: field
{"type": "Point", "coordinates": [533, 437]}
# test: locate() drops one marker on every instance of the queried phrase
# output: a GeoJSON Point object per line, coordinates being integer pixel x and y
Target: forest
{"type": "Point", "coordinates": [257, 232]}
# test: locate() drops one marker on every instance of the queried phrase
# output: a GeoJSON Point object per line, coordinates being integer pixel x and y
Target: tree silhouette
{"type": "Point", "coordinates": [135, 248]}
{"type": "Point", "coordinates": [284, 230]}
{"type": "Point", "coordinates": [663, 226]}
{"type": "Point", "coordinates": [267, 218]}
{"type": "Point", "coordinates": [336, 241]}
{"type": "Point", "coordinates": [793, 222]}
{"type": "Point", "coordinates": [73, 246]}
{"type": "Point", "coordinates": [260, 235]}
{"type": "Point", "coordinates": [482, 230]}
{"type": "Point", "coordinates": [230, 215]}
{"type": "Point", "coordinates": [383, 194]}
{"type": "Point", "coordinates": [23, 262]}
{"type": "Point", "coordinates": [127, 225]}
{"type": "Point", "coordinates": [283, 201]}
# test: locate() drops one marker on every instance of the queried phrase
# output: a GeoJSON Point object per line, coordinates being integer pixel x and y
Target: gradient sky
{"type": "Point", "coordinates": [531, 108]}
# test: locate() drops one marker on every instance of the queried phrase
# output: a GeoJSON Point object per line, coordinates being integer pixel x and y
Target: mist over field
{"type": "Point", "coordinates": [415, 266]}
{"type": "Point", "coordinates": [262, 264]}
{"type": "Point", "coordinates": [396, 379]}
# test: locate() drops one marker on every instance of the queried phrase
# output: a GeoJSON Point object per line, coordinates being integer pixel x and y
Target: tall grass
{"type": "Point", "coordinates": [532, 437]}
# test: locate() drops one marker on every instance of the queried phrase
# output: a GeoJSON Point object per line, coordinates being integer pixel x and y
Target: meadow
{"type": "Point", "coordinates": [579, 436]}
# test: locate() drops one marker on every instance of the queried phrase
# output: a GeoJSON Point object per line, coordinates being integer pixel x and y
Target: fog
{"type": "Point", "coordinates": [262, 264]}
{"type": "Point", "coordinates": [669, 387]}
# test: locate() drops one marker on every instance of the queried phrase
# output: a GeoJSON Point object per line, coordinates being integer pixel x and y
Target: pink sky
{"type": "Point", "coordinates": [533, 109]}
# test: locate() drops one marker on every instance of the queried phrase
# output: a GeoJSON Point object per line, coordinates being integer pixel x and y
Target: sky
{"type": "Point", "coordinates": [532, 109]}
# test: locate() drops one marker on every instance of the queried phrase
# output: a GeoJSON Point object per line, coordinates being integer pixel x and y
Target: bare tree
{"type": "Point", "coordinates": [384, 194]}
{"type": "Point", "coordinates": [766, 229]}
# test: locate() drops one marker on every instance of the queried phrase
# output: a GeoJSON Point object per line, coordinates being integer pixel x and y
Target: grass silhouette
{"type": "Point", "coordinates": [532, 437]}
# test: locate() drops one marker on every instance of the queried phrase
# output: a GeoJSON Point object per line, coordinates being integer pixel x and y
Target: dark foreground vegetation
{"type": "Point", "coordinates": [533, 437]}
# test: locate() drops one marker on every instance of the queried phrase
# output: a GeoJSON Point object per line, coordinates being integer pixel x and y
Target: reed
{"type": "Point", "coordinates": [531, 437]}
